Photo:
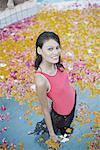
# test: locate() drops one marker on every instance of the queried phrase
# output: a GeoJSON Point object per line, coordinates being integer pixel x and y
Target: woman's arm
{"type": "Point", "coordinates": [41, 89]}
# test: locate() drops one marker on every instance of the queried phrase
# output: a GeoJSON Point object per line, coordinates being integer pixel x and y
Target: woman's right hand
{"type": "Point", "coordinates": [55, 138]}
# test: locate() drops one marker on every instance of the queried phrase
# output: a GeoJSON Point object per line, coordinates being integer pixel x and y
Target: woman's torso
{"type": "Point", "coordinates": [59, 91]}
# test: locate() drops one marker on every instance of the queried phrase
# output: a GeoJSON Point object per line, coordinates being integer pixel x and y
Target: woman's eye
{"type": "Point", "coordinates": [50, 49]}
{"type": "Point", "coordinates": [57, 47]}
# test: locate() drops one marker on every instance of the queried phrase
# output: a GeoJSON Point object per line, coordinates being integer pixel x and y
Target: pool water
{"type": "Point", "coordinates": [18, 128]}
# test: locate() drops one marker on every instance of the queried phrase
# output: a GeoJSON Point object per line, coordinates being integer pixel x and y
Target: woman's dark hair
{"type": "Point", "coordinates": [45, 36]}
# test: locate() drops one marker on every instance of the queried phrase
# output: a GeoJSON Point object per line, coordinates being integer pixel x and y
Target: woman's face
{"type": "Point", "coordinates": [51, 51]}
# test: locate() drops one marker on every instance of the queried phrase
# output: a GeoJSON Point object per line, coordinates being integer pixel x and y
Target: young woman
{"type": "Point", "coordinates": [52, 83]}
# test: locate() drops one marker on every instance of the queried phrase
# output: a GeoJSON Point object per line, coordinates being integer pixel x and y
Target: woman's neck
{"type": "Point", "coordinates": [48, 67]}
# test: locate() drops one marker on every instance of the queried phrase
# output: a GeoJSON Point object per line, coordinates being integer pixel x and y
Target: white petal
{"type": "Point", "coordinates": [2, 77]}
{"type": "Point", "coordinates": [15, 81]}
{"type": "Point", "coordinates": [65, 135]}
{"type": "Point", "coordinates": [3, 65]}
{"type": "Point", "coordinates": [65, 140]}
{"type": "Point", "coordinates": [61, 136]}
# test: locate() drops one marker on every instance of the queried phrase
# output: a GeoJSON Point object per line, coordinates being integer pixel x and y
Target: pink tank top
{"type": "Point", "coordinates": [61, 93]}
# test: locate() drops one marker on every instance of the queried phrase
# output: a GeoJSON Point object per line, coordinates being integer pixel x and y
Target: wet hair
{"type": "Point", "coordinates": [43, 37]}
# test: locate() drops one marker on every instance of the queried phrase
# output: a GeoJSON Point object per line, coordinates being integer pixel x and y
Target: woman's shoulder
{"type": "Point", "coordinates": [38, 73]}
{"type": "Point", "coordinates": [39, 78]}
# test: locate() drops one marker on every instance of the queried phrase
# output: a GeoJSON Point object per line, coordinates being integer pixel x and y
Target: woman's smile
{"type": "Point", "coordinates": [55, 57]}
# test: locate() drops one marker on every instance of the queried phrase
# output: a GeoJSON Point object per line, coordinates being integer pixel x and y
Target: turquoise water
{"type": "Point", "coordinates": [18, 128]}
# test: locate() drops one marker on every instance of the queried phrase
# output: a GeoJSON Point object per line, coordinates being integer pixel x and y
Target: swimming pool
{"type": "Point", "coordinates": [15, 126]}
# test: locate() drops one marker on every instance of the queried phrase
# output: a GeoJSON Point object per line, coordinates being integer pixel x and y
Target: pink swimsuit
{"type": "Point", "coordinates": [61, 93]}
